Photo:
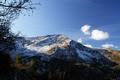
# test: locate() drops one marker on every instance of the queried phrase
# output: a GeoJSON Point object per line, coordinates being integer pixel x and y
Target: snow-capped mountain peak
{"type": "Point", "coordinates": [59, 46]}
{"type": "Point", "coordinates": [47, 44]}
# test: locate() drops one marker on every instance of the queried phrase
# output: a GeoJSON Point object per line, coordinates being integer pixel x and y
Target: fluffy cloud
{"type": "Point", "coordinates": [88, 45]}
{"type": "Point", "coordinates": [94, 34]}
{"type": "Point", "coordinates": [80, 40]}
{"type": "Point", "coordinates": [99, 35]}
{"type": "Point", "coordinates": [85, 29]}
{"type": "Point", "coordinates": [109, 46]}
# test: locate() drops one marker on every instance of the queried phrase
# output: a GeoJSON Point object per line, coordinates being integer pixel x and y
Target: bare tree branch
{"type": "Point", "coordinates": [9, 11]}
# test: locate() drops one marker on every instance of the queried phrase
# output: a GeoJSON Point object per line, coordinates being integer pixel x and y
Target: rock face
{"type": "Point", "coordinates": [61, 47]}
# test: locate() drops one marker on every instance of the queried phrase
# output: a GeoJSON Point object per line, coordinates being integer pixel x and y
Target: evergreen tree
{"type": "Point", "coordinates": [18, 59]}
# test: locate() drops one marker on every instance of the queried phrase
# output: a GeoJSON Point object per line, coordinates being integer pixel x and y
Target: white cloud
{"type": "Point", "coordinates": [88, 45]}
{"type": "Point", "coordinates": [85, 29]}
{"type": "Point", "coordinates": [109, 46]}
{"type": "Point", "coordinates": [99, 35]}
{"type": "Point", "coordinates": [80, 40]}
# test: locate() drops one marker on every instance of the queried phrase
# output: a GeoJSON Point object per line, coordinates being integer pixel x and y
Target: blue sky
{"type": "Point", "coordinates": [69, 16]}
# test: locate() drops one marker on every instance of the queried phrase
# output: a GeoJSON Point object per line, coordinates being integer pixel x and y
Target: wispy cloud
{"type": "Point", "coordinates": [109, 46]}
{"type": "Point", "coordinates": [88, 45]}
{"type": "Point", "coordinates": [80, 40]}
{"type": "Point", "coordinates": [85, 29]}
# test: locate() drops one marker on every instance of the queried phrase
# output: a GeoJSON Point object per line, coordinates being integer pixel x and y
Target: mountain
{"type": "Point", "coordinates": [113, 55]}
{"type": "Point", "coordinates": [57, 57]}
{"type": "Point", "coordinates": [60, 47]}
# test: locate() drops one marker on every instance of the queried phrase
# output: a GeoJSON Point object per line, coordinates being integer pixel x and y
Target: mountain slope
{"type": "Point", "coordinates": [61, 47]}
{"type": "Point", "coordinates": [113, 55]}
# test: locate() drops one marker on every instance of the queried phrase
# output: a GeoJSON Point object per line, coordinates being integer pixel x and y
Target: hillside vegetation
{"type": "Point", "coordinates": [56, 69]}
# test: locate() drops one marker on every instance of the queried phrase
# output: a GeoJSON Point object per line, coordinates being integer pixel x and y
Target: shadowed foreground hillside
{"type": "Point", "coordinates": [55, 69]}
